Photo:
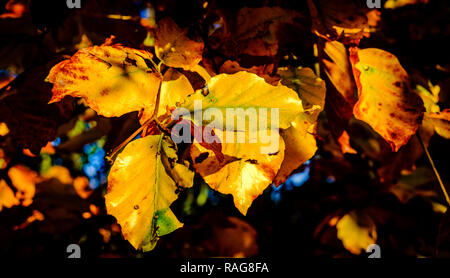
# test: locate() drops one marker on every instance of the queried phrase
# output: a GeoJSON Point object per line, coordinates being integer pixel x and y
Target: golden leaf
{"type": "Point", "coordinates": [142, 184]}
{"type": "Point", "coordinates": [174, 48]}
{"type": "Point", "coordinates": [440, 122]}
{"type": "Point", "coordinates": [247, 90]}
{"type": "Point", "coordinates": [113, 80]}
{"type": "Point", "coordinates": [394, 4]}
{"type": "Point", "coordinates": [24, 179]}
{"type": "Point", "coordinates": [341, 89]}
{"type": "Point", "coordinates": [356, 231]}
{"type": "Point", "coordinates": [299, 138]}
{"type": "Point", "coordinates": [246, 170]}
{"type": "Point", "coordinates": [7, 197]}
{"type": "Point", "coordinates": [4, 130]}
{"type": "Point", "coordinates": [174, 90]}
{"type": "Point", "coordinates": [385, 101]}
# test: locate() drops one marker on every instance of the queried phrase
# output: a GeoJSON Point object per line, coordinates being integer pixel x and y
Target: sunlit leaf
{"type": "Point", "coordinates": [81, 185]}
{"type": "Point", "coordinates": [394, 4]}
{"type": "Point", "coordinates": [3, 129]}
{"type": "Point", "coordinates": [174, 48]}
{"type": "Point", "coordinates": [341, 87]}
{"type": "Point", "coordinates": [299, 138]}
{"type": "Point", "coordinates": [7, 197]}
{"type": "Point", "coordinates": [246, 90]}
{"type": "Point", "coordinates": [246, 170]}
{"type": "Point", "coordinates": [440, 121]}
{"type": "Point", "coordinates": [113, 80]}
{"type": "Point", "coordinates": [24, 179]}
{"type": "Point", "coordinates": [142, 184]}
{"type": "Point", "coordinates": [385, 101]}
{"type": "Point", "coordinates": [59, 172]}
{"type": "Point", "coordinates": [174, 90]}
{"type": "Point", "coordinates": [258, 31]}
{"type": "Point", "coordinates": [356, 231]}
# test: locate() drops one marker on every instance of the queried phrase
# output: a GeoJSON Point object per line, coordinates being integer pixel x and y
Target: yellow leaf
{"type": "Point", "coordinates": [142, 184]}
{"type": "Point", "coordinates": [60, 173]}
{"type": "Point", "coordinates": [356, 232]}
{"type": "Point", "coordinates": [7, 197]}
{"type": "Point", "coordinates": [246, 170]}
{"type": "Point", "coordinates": [299, 138]}
{"type": "Point", "coordinates": [113, 80]}
{"type": "Point", "coordinates": [81, 185]}
{"type": "Point", "coordinates": [310, 88]}
{"type": "Point", "coordinates": [3, 129]}
{"type": "Point", "coordinates": [174, 48]}
{"type": "Point", "coordinates": [300, 146]}
{"type": "Point", "coordinates": [440, 122]}
{"type": "Point", "coordinates": [24, 179]}
{"type": "Point", "coordinates": [174, 90]}
{"type": "Point", "coordinates": [385, 101]}
{"type": "Point", "coordinates": [394, 4]}
{"type": "Point", "coordinates": [247, 90]}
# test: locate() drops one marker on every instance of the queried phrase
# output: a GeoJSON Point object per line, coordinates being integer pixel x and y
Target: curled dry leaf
{"type": "Point", "coordinates": [174, 48]}
{"type": "Point", "coordinates": [142, 184]}
{"type": "Point", "coordinates": [385, 100]}
{"type": "Point", "coordinates": [113, 80]}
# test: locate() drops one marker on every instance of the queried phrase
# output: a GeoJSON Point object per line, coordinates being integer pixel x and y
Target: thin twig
{"type": "Point", "coordinates": [447, 198]}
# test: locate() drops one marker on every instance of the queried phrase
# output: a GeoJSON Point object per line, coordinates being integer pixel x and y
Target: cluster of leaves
{"type": "Point", "coordinates": [236, 56]}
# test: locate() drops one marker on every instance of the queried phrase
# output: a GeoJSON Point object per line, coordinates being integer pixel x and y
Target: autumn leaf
{"type": "Point", "coordinates": [24, 179]}
{"type": "Point", "coordinates": [257, 31]}
{"type": "Point", "coordinates": [174, 48]}
{"type": "Point", "coordinates": [142, 184]}
{"type": "Point", "coordinates": [113, 80]}
{"type": "Point", "coordinates": [3, 129]}
{"type": "Point", "coordinates": [299, 138]}
{"type": "Point", "coordinates": [385, 101]}
{"type": "Point", "coordinates": [434, 117]}
{"type": "Point", "coordinates": [440, 121]}
{"type": "Point", "coordinates": [394, 4]}
{"type": "Point", "coordinates": [7, 197]}
{"type": "Point", "coordinates": [175, 87]}
{"type": "Point", "coordinates": [247, 169]}
{"type": "Point", "coordinates": [24, 108]}
{"type": "Point", "coordinates": [244, 90]}
{"type": "Point", "coordinates": [341, 87]}
{"type": "Point", "coordinates": [348, 21]}
{"type": "Point", "coordinates": [356, 231]}
{"type": "Point", "coordinates": [263, 71]}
